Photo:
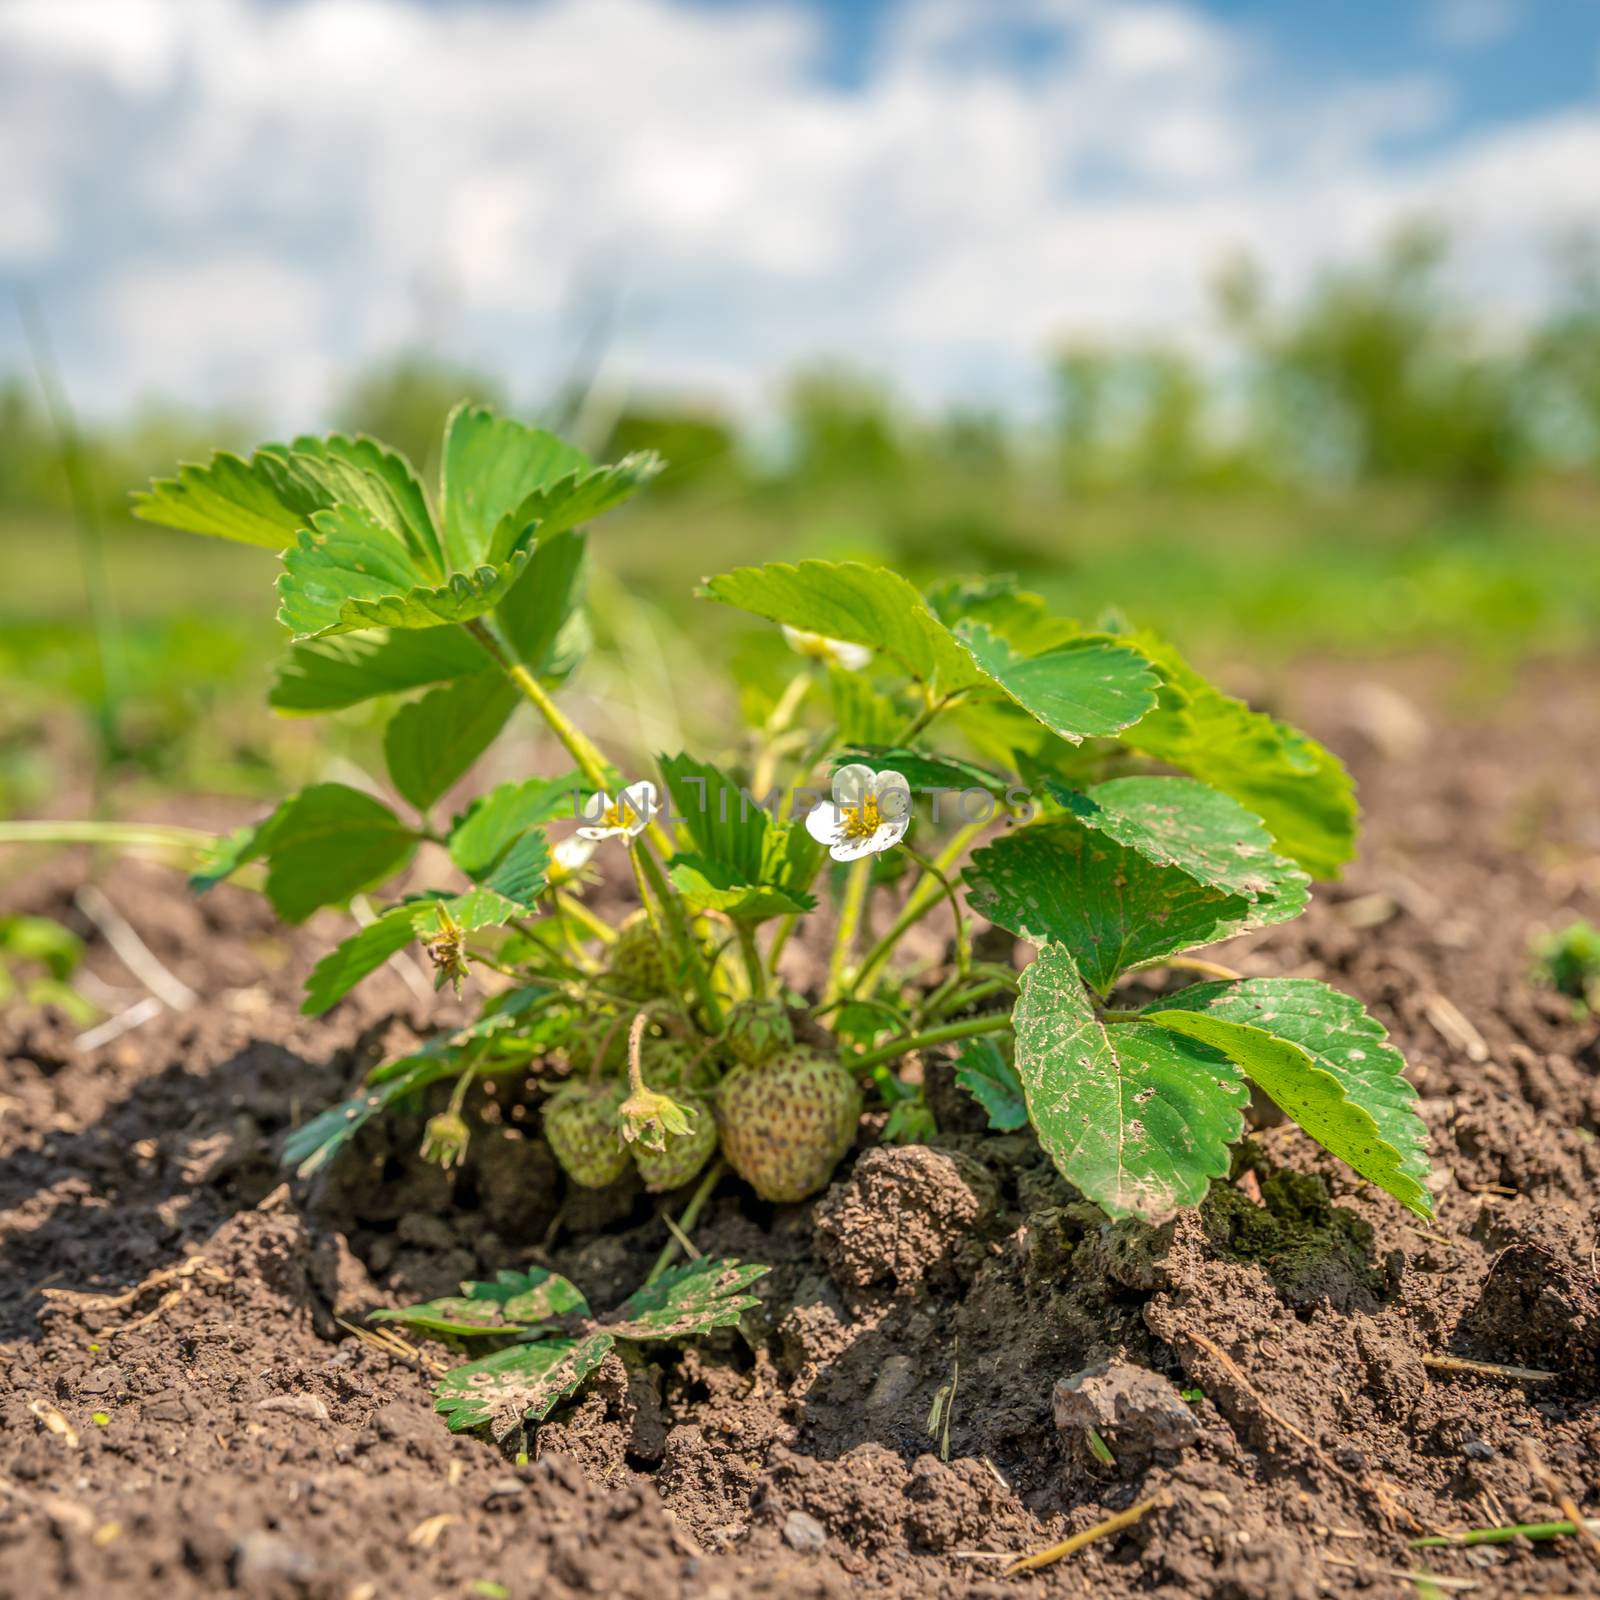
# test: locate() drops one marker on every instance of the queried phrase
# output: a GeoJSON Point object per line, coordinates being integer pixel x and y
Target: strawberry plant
{"type": "Point", "coordinates": [963, 752]}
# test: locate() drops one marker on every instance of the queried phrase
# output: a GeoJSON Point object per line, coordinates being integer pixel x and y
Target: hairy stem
{"type": "Point", "coordinates": [918, 901]}
{"type": "Point", "coordinates": [963, 939]}
{"type": "Point", "coordinates": [967, 1028]}
{"type": "Point", "coordinates": [855, 899]}
{"type": "Point", "coordinates": [578, 744]}
{"type": "Point", "coordinates": [681, 940]}
{"type": "Point", "coordinates": [751, 951]}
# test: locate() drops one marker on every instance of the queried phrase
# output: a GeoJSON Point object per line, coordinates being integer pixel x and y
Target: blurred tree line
{"type": "Point", "coordinates": [1375, 376]}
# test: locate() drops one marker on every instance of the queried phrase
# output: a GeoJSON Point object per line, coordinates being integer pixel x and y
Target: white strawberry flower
{"type": "Point", "coordinates": [626, 817]}
{"type": "Point", "coordinates": [870, 812]}
{"type": "Point", "coordinates": [834, 652]}
{"type": "Point", "coordinates": [569, 856]}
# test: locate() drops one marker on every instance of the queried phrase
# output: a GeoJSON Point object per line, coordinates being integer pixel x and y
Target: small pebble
{"type": "Point", "coordinates": [804, 1533]}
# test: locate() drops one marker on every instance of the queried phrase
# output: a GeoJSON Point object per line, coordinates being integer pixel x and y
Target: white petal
{"type": "Point", "coordinates": [823, 822]}
{"type": "Point", "coordinates": [598, 833]}
{"type": "Point", "coordinates": [893, 831]}
{"type": "Point", "coordinates": [893, 794]}
{"type": "Point", "coordinates": [572, 854]}
{"type": "Point", "coordinates": [850, 657]}
{"type": "Point", "coordinates": [637, 804]}
{"type": "Point", "coordinates": [852, 784]}
{"type": "Point", "coordinates": [594, 807]}
{"type": "Point", "coordinates": [801, 642]}
{"type": "Point", "coordinates": [868, 845]}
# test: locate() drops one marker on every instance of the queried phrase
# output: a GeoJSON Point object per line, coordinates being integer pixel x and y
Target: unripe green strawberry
{"type": "Point", "coordinates": [635, 964]}
{"type": "Point", "coordinates": [757, 1029]}
{"type": "Point", "coordinates": [685, 1153]}
{"type": "Point", "coordinates": [580, 1124]}
{"type": "Point", "coordinates": [673, 1063]}
{"type": "Point", "coordinates": [786, 1122]}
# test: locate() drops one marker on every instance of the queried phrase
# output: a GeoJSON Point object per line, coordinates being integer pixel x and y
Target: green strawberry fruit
{"type": "Point", "coordinates": [580, 1123]}
{"type": "Point", "coordinates": [685, 1153]}
{"type": "Point", "coordinates": [673, 1063]}
{"type": "Point", "coordinates": [758, 1029]}
{"type": "Point", "coordinates": [635, 963]}
{"type": "Point", "coordinates": [786, 1122]}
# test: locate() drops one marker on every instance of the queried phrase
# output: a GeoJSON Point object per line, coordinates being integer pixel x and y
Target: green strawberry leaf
{"type": "Point", "coordinates": [540, 617]}
{"type": "Point", "coordinates": [505, 481]}
{"type": "Point", "coordinates": [523, 1383]}
{"type": "Point", "coordinates": [314, 1144]}
{"type": "Point", "coordinates": [379, 481]}
{"type": "Point", "coordinates": [262, 501]}
{"type": "Point", "coordinates": [1183, 823]}
{"type": "Point", "coordinates": [321, 846]}
{"type": "Point", "coordinates": [709, 886]}
{"type": "Point", "coordinates": [431, 742]}
{"type": "Point", "coordinates": [491, 464]}
{"type": "Point", "coordinates": [992, 1081]}
{"type": "Point", "coordinates": [348, 572]}
{"type": "Point", "coordinates": [1086, 687]}
{"type": "Point", "coordinates": [493, 823]}
{"type": "Point", "coordinates": [1112, 907]}
{"type": "Point", "coordinates": [948, 774]}
{"type": "Point", "coordinates": [357, 957]}
{"type": "Point", "coordinates": [862, 714]}
{"type": "Point", "coordinates": [857, 603]}
{"type": "Point", "coordinates": [725, 824]}
{"type": "Point", "coordinates": [686, 1301]}
{"type": "Point", "coordinates": [514, 1303]}
{"type": "Point", "coordinates": [1301, 792]}
{"type": "Point", "coordinates": [1139, 1117]}
{"type": "Point", "coordinates": [1023, 620]}
{"type": "Point", "coordinates": [1340, 1064]}
{"type": "Point", "coordinates": [345, 669]}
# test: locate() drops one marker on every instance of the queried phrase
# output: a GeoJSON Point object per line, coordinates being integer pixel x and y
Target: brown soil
{"type": "Point", "coordinates": [183, 1411]}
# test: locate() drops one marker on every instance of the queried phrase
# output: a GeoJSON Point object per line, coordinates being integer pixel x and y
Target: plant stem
{"type": "Point", "coordinates": [681, 939]}
{"type": "Point", "coordinates": [691, 1215]}
{"type": "Point", "coordinates": [570, 906]}
{"type": "Point", "coordinates": [917, 903]}
{"type": "Point", "coordinates": [1520, 1530]}
{"type": "Point", "coordinates": [947, 1033]}
{"type": "Point", "coordinates": [578, 744]}
{"type": "Point", "coordinates": [955, 1001]}
{"type": "Point", "coordinates": [856, 885]}
{"type": "Point", "coordinates": [751, 951]}
{"type": "Point", "coordinates": [132, 834]}
{"type": "Point", "coordinates": [1206, 969]}
{"type": "Point", "coordinates": [963, 942]}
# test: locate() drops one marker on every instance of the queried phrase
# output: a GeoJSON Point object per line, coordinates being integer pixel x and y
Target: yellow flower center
{"type": "Point", "coordinates": [613, 817]}
{"type": "Point", "coordinates": [862, 821]}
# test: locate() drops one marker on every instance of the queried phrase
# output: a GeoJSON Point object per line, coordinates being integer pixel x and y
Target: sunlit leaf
{"type": "Point", "coordinates": [1339, 1077]}
{"type": "Point", "coordinates": [355, 958]}
{"type": "Point", "coordinates": [1139, 1117]}
{"type": "Point", "coordinates": [1299, 790]}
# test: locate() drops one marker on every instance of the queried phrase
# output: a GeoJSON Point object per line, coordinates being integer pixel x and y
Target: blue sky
{"type": "Point", "coordinates": [240, 201]}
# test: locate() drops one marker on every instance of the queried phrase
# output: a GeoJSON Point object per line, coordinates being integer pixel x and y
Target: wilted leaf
{"type": "Point", "coordinates": [686, 1301]}
{"type": "Point", "coordinates": [523, 1383]}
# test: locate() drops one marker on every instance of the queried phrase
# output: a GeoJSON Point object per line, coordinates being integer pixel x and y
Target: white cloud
{"type": "Point", "coordinates": [1470, 24]}
{"type": "Point", "coordinates": [239, 198]}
